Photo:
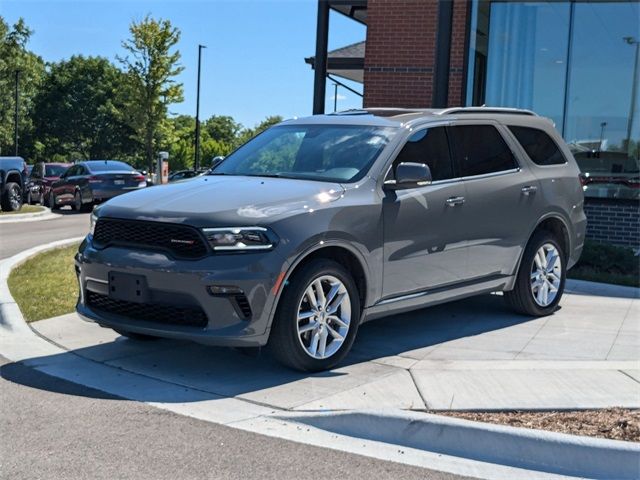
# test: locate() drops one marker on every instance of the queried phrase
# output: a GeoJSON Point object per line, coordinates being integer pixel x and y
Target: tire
{"type": "Point", "coordinates": [77, 202]}
{"type": "Point", "coordinates": [141, 337]}
{"type": "Point", "coordinates": [11, 200]}
{"type": "Point", "coordinates": [294, 349]}
{"type": "Point", "coordinates": [522, 298]}
{"type": "Point", "coordinates": [29, 199]}
{"type": "Point", "coordinates": [52, 201]}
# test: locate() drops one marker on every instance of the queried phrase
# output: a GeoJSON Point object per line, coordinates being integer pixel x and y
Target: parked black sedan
{"type": "Point", "coordinates": [94, 181]}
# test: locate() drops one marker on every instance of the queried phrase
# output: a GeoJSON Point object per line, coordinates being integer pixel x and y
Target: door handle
{"type": "Point", "coordinates": [529, 189]}
{"type": "Point", "coordinates": [453, 201]}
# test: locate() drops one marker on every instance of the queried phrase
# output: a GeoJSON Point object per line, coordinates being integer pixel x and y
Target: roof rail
{"type": "Point", "coordinates": [498, 110]}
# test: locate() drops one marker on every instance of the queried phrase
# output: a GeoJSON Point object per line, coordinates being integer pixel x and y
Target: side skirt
{"type": "Point", "coordinates": [424, 299]}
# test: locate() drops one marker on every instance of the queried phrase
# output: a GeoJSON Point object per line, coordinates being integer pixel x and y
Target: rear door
{"type": "Point", "coordinates": [502, 197]}
{"type": "Point", "coordinates": [424, 227]}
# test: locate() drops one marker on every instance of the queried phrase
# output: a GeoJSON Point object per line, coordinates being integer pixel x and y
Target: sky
{"type": "Point", "coordinates": [253, 65]}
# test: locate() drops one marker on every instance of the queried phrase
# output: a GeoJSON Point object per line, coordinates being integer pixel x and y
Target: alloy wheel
{"type": "Point", "coordinates": [324, 317]}
{"type": "Point", "coordinates": [546, 275]}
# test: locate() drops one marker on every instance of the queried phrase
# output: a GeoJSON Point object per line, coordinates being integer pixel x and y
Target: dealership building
{"type": "Point", "coordinates": [575, 62]}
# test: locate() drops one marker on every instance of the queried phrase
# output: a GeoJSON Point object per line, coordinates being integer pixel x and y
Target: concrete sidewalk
{"type": "Point", "coordinates": [472, 354]}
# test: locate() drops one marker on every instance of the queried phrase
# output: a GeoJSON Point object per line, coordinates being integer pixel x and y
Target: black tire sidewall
{"type": "Point", "coordinates": [524, 275]}
{"type": "Point", "coordinates": [287, 345]}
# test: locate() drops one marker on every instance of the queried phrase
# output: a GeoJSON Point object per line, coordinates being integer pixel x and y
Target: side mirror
{"type": "Point", "coordinates": [217, 161]}
{"type": "Point", "coordinates": [410, 175]}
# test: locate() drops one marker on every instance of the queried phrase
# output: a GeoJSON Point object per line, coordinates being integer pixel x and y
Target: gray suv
{"type": "Point", "coordinates": [322, 223]}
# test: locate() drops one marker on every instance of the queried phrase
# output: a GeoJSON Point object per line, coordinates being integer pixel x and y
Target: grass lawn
{"type": "Point", "coordinates": [25, 209]}
{"type": "Point", "coordinates": [45, 286]}
{"type": "Point", "coordinates": [607, 264]}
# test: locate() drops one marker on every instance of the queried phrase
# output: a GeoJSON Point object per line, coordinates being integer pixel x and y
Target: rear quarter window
{"type": "Point", "coordinates": [539, 146]}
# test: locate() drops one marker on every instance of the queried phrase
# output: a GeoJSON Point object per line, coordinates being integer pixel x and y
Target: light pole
{"type": "Point", "coordinates": [15, 119]}
{"type": "Point", "coordinates": [634, 86]}
{"type": "Point", "coordinates": [335, 97]}
{"type": "Point", "coordinates": [197, 159]}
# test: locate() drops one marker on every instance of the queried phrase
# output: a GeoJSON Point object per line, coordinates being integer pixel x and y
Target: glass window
{"type": "Point", "coordinates": [428, 146]}
{"type": "Point", "coordinates": [109, 166]}
{"type": "Point", "coordinates": [539, 146]}
{"type": "Point", "coordinates": [54, 170]}
{"type": "Point", "coordinates": [527, 54]}
{"type": "Point", "coordinates": [602, 126]}
{"type": "Point", "coordinates": [337, 153]}
{"type": "Point", "coordinates": [480, 149]}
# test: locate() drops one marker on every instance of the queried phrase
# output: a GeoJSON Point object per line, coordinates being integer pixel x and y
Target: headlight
{"type": "Point", "coordinates": [240, 238]}
{"type": "Point", "coordinates": [92, 222]}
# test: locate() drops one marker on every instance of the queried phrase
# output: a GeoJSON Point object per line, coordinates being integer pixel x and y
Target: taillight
{"type": "Point", "coordinates": [94, 179]}
{"type": "Point", "coordinates": [583, 178]}
{"type": "Point", "coordinates": [140, 178]}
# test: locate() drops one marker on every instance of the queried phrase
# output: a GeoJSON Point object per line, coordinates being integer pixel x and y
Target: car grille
{"type": "Point", "coordinates": [149, 312]}
{"type": "Point", "coordinates": [182, 241]}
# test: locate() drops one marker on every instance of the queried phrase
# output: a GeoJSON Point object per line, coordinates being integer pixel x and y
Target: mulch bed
{"type": "Point", "coordinates": [613, 423]}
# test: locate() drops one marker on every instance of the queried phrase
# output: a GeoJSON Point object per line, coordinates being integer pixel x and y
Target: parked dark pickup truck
{"type": "Point", "coordinates": [13, 172]}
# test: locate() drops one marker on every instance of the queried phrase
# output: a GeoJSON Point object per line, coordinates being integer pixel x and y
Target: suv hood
{"type": "Point", "coordinates": [214, 200]}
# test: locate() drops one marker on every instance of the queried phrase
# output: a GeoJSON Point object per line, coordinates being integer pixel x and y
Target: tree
{"type": "Point", "coordinates": [15, 57]}
{"type": "Point", "coordinates": [79, 110]}
{"type": "Point", "coordinates": [151, 65]}
{"type": "Point", "coordinates": [222, 128]}
{"type": "Point", "coordinates": [248, 133]}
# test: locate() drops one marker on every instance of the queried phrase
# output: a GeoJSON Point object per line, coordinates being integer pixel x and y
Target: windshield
{"type": "Point", "coordinates": [54, 170]}
{"type": "Point", "coordinates": [330, 153]}
{"type": "Point", "coordinates": [109, 165]}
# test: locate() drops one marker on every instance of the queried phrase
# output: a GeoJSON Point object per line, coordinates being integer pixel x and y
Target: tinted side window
{"type": "Point", "coordinates": [539, 146]}
{"type": "Point", "coordinates": [480, 149]}
{"type": "Point", "coordinates": [428, 146]}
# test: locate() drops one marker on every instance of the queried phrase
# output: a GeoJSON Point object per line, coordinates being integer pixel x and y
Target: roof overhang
{"type": "Point", "coordinates": [354, 9]}
{"type": "Point", "coordinates": [346, 62]}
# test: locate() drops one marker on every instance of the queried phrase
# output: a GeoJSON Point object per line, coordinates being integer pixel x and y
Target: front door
{"type": "Point", "coordinates": [424, 231]}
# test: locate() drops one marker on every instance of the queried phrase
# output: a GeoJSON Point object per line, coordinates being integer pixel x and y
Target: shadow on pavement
{"type": "Point", "coordinates": [211, 372]}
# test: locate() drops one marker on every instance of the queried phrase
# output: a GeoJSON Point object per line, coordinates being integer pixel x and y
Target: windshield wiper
{"type": "Point", "coordinates": [270, 175]}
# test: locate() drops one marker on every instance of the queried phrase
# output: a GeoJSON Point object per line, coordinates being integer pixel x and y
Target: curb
{"type": "Point", "coordinates": [446, 444]}
{"type": "Point", "coordinates": [46, 214]}
{"type": "Point", "coordinates": [529, 449]}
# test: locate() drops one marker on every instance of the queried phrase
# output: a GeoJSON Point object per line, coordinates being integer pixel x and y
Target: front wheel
{"type": "Point", "coordinates": [540, 280]}
{"type": "Point", "coordinates": [317, 318]}
{"type": "Point", "coordinates": [11, 200]}
{"type": "Point", "coordinates": [52, 201]}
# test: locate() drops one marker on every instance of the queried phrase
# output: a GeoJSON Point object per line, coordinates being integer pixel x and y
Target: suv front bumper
{"type": "Point", "coordinates": [185, 286]}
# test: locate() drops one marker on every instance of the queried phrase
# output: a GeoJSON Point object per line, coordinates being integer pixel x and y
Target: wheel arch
{"type": "Point", "coordinates": [556, 224]}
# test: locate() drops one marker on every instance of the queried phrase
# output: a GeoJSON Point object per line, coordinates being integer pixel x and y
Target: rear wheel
{"type": "Point", "coordinates": [317, 318]}
{"type": "Point", "coordinates": [77, 202]}
{"type": "Point", "coordinates": [541, 278]}
{"type": "Point", "coordinates": [11, 200]}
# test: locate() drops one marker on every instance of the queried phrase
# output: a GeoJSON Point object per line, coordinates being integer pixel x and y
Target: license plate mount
{"type": "Point", "coordinates": [128, 287]}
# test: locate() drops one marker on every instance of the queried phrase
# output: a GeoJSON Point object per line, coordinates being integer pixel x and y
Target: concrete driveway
{"type": "Point", "coordinates": [472, 354]}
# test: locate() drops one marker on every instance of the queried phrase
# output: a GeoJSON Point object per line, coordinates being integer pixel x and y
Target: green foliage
{"type": "Point", "coordinates": [151, 65]}
{"type": "Point", "coordinates": [78, 111]}
{"type": "Point", "coordinates": [607, 263]}
{"type": "Point", "coordinates": [87, 107]}
{"type": "Point", "coordinates": [14, 56]}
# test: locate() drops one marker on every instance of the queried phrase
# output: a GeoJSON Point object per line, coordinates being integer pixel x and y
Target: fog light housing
{"type": "Point", "coordinates": [224, 290]}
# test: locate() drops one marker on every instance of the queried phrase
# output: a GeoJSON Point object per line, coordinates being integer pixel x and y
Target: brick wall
{"type": "Point", "coordinates": [458, 58]}
{"type": "Point", "coordinates": [613, 221]}
{"type": "Point", "coordinates": [401, 53]}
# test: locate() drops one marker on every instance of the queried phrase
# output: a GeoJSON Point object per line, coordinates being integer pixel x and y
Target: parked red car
{"type": "Point", "coordinates": [43, 175]}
